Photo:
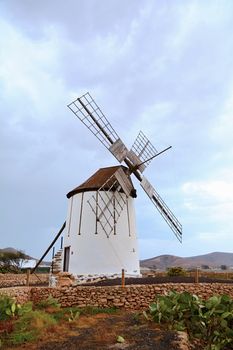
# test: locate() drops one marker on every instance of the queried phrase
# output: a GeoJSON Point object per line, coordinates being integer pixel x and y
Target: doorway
{"type": "Point", "coordinates": [66, 259]}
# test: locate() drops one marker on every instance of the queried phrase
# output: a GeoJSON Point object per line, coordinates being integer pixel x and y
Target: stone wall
{"type": "Point", "coordinates": [21, 294]}
{"type": "Point", "coordinates": [136, 297]}
{"type": "Point", "coordinates": [12, 279]}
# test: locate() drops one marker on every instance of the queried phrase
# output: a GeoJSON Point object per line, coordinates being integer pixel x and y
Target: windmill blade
{"type": "Point", "coordinates": [142, 151]}
{"type": "Point", "coordinates": [162, 208]}
{"type": "Point", "coordinates": [87, 110]}
{"type": "Point", "coordinates": [110, 200]}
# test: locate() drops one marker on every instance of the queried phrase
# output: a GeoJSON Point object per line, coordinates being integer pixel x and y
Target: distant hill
{"type": "Point", "coordinates": [8, 250]}
{"type": "Point", "coordinates": [212, 260]}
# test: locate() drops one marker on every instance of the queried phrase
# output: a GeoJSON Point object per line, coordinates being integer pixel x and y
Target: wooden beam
{"type": "Point", "coordinates": [50, 246]}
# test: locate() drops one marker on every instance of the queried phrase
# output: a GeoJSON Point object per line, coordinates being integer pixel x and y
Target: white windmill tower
{"type": "Point", "coordinates": [100, 235]}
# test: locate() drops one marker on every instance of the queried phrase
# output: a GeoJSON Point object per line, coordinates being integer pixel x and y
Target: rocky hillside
{"type": "Point", "coordinates": [212, 260]}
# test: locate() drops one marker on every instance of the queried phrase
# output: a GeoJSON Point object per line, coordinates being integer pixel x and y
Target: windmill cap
{"type": "Point", "coordinates": [99, 178]}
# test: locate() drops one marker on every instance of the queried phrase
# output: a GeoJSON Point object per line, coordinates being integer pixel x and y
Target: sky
{"type": "Point", "coordinates": [163, 67]}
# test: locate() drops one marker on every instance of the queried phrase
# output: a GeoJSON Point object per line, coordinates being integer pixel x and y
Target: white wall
{"type": "Point", "coordinates": [96, 254]}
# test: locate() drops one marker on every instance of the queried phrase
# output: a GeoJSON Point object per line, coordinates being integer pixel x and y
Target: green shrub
{"type": "Point", "coordinates": [24, 308]}
{"type": "Point", "coordinates": [210, 320]}
{"type": "Point", "coordinates": [49, 302]}
{"type": "Point", "coordinates": [18, 338]}
{"type": "Point", "coordinates": [30, 325]}
{"type": "Point", "coordinates": [8, 269]}
{"type": "Point", "coordinates": [176, 271]}
{"type": "Point", "coordinates": [93, 310]}
{"type": "Point", "coordinates": [73, 313]}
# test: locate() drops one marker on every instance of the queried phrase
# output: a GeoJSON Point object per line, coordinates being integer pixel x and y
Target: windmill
{"type": "Point", "coordinates": [100, 235]}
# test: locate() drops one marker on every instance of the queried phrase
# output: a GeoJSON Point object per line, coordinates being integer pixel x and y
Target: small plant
{"type": "Point", "coordinates": [74, 316]}
{"type": "Point", "coordinates": [24, 308]}
{"type": "Point", "coordinates": [8, 307]}
{"type": "Point", "coordinates": [136, 316]}
{"type": "Point", "coordinates": [60, 314]}
{"type": "Point", "coordinates": [49, 302]}
{"type": "Point", "coordinates": [146, 316]}
{"type": "Point", "coordinates": [10, 311]}
{"type": "Point", "coordinates": [176, 271]}
{"type": "Point", "coordinates": [120, 339]}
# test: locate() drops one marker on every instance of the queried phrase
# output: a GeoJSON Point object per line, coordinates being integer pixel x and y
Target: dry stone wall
{"type": "Point", "coordinates": [136, 297]}
{"type": "Point", "coordinates": [21, 294]}
{"type": "Point", "coordinates": [12, 279]}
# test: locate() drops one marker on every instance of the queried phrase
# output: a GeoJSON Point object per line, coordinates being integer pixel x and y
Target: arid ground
{"type": "Point", "coordinates": [101, 331]}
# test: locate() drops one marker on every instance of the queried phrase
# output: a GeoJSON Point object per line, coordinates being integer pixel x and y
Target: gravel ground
{"type": "Point", "coordinates": [156, 280]}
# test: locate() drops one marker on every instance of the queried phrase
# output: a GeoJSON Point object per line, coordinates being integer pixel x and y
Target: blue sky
{"type": "Point", "coordinates": [163, 67]}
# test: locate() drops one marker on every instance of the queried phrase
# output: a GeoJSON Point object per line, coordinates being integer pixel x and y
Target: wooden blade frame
{"type": "Point", "coordinates": [162, 208]}
{"type": "Point", "coordinates": [142, 151]}
{"type": "Point", "coordinates": [87, 110]}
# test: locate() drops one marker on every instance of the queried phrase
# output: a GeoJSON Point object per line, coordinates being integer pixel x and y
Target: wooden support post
{"type": "Point", "coordinates": [196, 277]}
{"type": "Point", "coordinates": [48, 249]}
{"type": "Point", "coordinates": [28, 277]}
{"type": "Point", "coordinates": [122, 278]}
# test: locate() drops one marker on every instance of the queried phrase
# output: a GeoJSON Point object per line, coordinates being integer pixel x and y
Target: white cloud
{"type": "Point", "coordinates": [221, 131]}
{"type": "Point", "coordinates": [195, 17]}
{"type": "Point", "coordinates": [214, 190]}
{"type": "Point", "coordinates": [28, 70]}
{"type": "Point", "coordinates": [210, 202]}
{"type": "Point", "coordinates": [213, 236]}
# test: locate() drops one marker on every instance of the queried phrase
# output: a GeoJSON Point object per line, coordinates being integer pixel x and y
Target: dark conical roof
{"type": "Point", "coordinates": [97, 180]}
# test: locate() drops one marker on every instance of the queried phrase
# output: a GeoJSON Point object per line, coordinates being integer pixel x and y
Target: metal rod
{"type": "Point", "coordinates": [156, 155]}
{"type": "Point", "coordinates": [48, 249]}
